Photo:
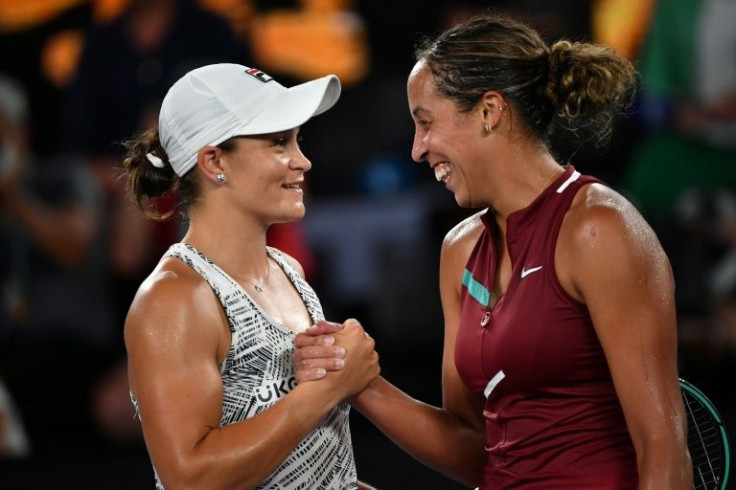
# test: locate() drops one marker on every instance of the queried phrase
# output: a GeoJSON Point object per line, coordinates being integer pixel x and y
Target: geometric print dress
{"type": "Point", "coordinates": [258, 371]}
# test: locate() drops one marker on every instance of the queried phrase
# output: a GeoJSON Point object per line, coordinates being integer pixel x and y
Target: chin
{"type": "Point", "coordinates": [295, 214]}
{"type": "Point", "coordinates": [463, 201]}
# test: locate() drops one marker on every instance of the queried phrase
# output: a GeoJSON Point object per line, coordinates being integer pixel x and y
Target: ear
{"type": "Point", "coordinates": [210, 162]}
{"type": "Point", "coordinates": [492, 106]}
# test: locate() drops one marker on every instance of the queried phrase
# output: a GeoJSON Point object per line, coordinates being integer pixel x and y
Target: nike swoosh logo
{"type": "Point", "coordinates": [526, 272]}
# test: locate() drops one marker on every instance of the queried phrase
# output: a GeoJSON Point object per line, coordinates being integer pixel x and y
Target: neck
{"type": "Point", "coordinates": [522, 178]}
{"type": "Point", "coordinates": [235, 242]}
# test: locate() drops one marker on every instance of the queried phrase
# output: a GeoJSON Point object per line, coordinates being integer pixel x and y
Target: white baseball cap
{"type": "Point", "coordinates": [214, 103]}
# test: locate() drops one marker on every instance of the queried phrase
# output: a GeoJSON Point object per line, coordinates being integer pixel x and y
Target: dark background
{"type": "Point", "coordinates": [375, 221]}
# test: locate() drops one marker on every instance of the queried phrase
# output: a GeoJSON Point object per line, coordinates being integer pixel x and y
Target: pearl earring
{"type": "Point", "coordinates": [221, 178]}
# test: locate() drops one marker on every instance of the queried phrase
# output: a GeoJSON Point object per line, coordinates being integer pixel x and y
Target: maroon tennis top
{"type": "Point", "coordinates": [552, 416]}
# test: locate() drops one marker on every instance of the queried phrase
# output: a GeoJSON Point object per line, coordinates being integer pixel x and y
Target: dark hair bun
{"type": "Point", "coordinates": [586, 78]}
{"type": "Point", "coordinates": [146, 181]}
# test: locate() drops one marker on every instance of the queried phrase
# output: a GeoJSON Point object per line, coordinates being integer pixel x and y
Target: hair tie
{"type": "Point", "coordinates": [155, 161]}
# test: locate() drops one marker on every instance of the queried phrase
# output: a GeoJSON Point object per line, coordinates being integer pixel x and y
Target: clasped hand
{"type": "Point", "coordinates": [330, 350]}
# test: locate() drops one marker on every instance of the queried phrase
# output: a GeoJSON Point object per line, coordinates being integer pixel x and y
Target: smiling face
{"type": "Point", "coordinates": [265, 175]}
{"type": "Point", "coordinates": [446, 138]}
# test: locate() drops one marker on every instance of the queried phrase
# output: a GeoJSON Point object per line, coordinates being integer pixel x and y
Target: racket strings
{"type": "Point", "coordinates": [704, 442]}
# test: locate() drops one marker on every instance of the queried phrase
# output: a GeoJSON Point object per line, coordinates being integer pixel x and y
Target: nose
{"type": "Point", "coordinates": [419, 147]}
{"type": "Point", "coordinates": [301, 162]}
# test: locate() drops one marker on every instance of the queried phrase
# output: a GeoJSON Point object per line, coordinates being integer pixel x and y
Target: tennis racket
{"type": "Point", "coordinates": [707, 440]}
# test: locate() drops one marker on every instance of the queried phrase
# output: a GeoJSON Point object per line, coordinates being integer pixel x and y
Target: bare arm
{"type": "Point", "coordinates": [449, 439]}
{"type": "Point", "coordinates": [176, 335]}
{"type": "Point", "coordinates": [610, 259]}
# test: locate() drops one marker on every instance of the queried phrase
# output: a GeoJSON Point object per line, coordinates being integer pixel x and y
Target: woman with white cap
{"type": "Point", "coordinates": [211, 331]}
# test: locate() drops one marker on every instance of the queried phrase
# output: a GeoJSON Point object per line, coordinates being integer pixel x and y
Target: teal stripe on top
{"type": "Point", "coordinates": [476, 289]}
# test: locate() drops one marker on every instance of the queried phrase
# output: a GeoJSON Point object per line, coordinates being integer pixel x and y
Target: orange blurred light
{"type": "Point", "coordinates": [311, 43]}
{"type": "Point", "coordinates": [16, 15]}
{"type": "Point", "coordinates": [60, 56]}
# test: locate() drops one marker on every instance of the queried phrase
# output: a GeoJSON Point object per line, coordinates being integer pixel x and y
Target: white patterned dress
{"type": "Point", "coordinates": [258, 372]}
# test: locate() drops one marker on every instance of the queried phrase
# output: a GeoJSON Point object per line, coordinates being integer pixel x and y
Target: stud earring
{"type": "Point", "coordinates": [221, 178]}
{"type": "Point", "coordinates": [487, 129]}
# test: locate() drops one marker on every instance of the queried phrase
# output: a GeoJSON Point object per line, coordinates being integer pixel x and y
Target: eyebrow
{"type": "Point", "coordinates": [287, 132]}
{"type": "Point", "coordinates": [417, 111]}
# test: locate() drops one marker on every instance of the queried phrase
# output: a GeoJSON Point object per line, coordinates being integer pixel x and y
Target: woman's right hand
{"type": "Point", "coordinates": [344, 354]}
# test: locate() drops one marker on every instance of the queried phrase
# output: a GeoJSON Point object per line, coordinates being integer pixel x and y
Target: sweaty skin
{"type": "Point", "coordinates": [606, 257]}
{"type": "Point", "coordinates": [177, 334]}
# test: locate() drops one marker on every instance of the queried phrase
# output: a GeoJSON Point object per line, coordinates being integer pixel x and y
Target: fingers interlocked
{"type": "Point", "coordinates": [316, 353]}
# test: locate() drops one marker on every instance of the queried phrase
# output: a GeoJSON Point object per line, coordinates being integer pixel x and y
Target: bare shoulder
{"type": "Point", "coordinates": [456, 249]}
{"type": "Point", "coordinates": [169, 305]}
{"type": "Point", "coordinates": [603, 237]}
{"type": "Point", "coordinates": [599, 214]}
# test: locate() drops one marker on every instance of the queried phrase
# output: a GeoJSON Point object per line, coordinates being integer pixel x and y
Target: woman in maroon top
{"type": "Point", "coordinates": [560, 331]}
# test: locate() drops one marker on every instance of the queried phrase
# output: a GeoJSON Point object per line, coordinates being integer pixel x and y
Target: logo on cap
{"type": "Point", "coordinates": [256, 73]}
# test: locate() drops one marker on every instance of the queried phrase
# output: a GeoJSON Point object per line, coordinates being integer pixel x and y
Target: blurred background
{"type": "Point", "coordinates": [78, 77]}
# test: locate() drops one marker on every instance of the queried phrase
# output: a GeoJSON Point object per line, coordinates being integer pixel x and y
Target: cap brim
{"type": "Point", "coordinates": [293, 107]}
